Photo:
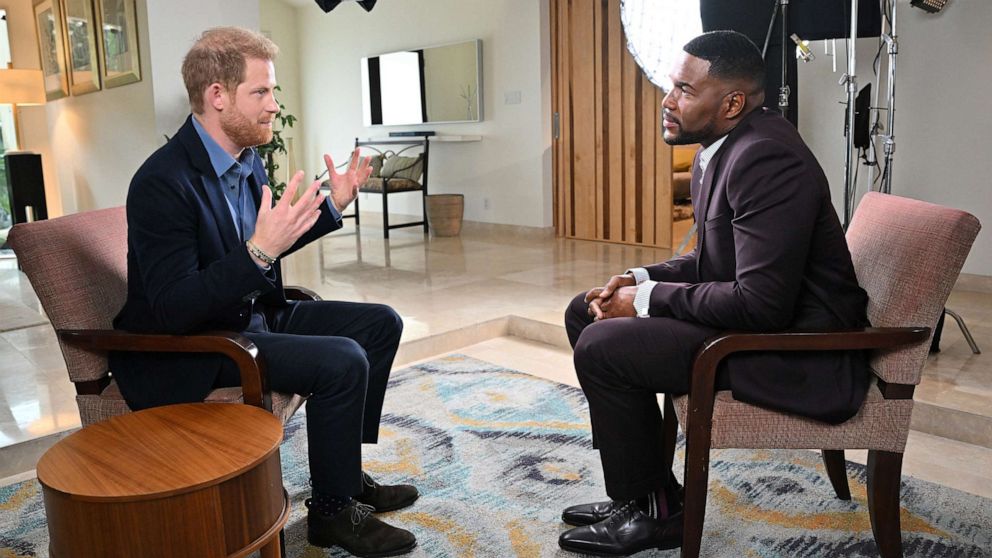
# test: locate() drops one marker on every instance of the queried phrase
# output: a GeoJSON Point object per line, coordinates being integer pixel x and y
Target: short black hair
{"type": "Point", "coordinates": [732, 56]}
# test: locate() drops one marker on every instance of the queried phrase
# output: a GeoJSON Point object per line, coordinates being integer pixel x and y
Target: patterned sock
{"type": "Point", "coordinates": [654, 504]}
{"type": "Point", "coordinates": [328, 505]}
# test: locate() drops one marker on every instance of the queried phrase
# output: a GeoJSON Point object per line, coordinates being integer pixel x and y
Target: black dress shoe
{"type": "Point", "coordinates": [385, 497]}
{"type": "Point", "coordinates": [356, 530]}
{"type": "Point", "coordinates": [627, 531]}
{"type": "Point", "coordinates": [587, 514]}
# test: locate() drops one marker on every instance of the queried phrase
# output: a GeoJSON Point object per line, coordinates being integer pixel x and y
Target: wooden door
{"type": "Point", "coordinates": [612, 170]}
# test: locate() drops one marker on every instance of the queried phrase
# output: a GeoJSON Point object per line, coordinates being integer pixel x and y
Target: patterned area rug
{"type": "Point", "coordinates": [497, 454]}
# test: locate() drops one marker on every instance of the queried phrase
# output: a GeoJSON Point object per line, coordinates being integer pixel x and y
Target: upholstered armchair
{"type": "Point", "coordinates": [78, 267]}
{"type": "Point", "coordinates": [907, 255]}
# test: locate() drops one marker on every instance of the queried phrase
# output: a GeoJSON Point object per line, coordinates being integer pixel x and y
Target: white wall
{"type": "Point", "coordinates": [942, 120]}
{"type": "Point", "coordinates": [278, 22]}
{"type": "Point", "coordinates": [173, 27]}
{"type": "Point", "coordinates": [510, 166]}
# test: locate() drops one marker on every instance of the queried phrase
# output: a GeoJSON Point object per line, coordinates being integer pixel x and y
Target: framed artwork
{"type": "Point", "coordinates": [119, 42]}
{"type": "Point", "coordinates": [80, 34]}
{"type": "Point", "coordinates": [48, 23]}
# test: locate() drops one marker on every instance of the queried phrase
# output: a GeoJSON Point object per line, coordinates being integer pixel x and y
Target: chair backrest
{"type": "Point", "coordinates": [907, 255]}
{"type": "Point", "coordinates": [77, 265]}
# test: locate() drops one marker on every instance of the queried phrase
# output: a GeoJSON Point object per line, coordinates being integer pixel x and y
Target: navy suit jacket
{"type": "Point", "coordinates": [771, 255]}
{"type": "Point", "coordinates": [188, 271]}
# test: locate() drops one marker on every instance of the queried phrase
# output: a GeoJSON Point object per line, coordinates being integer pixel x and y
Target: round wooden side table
{"type": "Point", "coordinates": [195, 480]}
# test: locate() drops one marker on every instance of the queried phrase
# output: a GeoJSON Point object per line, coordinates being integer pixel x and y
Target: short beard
{"type": "Point", "coordinates": [688, 138]}
{"type": "Point", "coordinates": [242, 131]}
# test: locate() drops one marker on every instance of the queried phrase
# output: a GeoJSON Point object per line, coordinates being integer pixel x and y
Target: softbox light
{"type": "Point", "coordinates": [656, 31]}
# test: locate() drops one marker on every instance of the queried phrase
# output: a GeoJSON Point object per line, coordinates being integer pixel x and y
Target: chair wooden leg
{"type": "Point", "coordinates": [423, 204]}
{"type": "Point", "coordinates": [836, 467]}
{"type": "Point", "coordinates": [884, 478]}
{"type": "Point", "coordinates": [697, 467]}
{"type": "Point", "coordinates": [385, 213]}
{"type": "Point", "coordinates": [669, 434]}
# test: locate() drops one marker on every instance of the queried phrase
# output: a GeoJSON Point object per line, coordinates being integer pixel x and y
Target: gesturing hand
{"type": "Point", "coordinates": [279, 226]}
{"type": "Point", "coordinates": [345, 185]}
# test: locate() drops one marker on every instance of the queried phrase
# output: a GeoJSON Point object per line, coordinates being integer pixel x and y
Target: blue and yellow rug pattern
{"type": "Point", "coordinates": [497, 454]}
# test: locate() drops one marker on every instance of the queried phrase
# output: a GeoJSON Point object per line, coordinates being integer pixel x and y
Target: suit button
{"type": "Point", "coordinates": [242, 314]}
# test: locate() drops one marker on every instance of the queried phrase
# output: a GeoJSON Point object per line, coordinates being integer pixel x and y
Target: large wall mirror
{"type": "Point", "coordinates": [426, 85]}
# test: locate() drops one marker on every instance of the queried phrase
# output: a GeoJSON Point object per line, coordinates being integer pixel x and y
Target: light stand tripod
{"type": "Point", "coordinates": [781, 8]}
{"type": "Point", "coordinates": [890, 37]}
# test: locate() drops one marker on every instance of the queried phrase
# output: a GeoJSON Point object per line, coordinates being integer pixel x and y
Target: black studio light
{"type": "Point", "coordinates": [328, 5]}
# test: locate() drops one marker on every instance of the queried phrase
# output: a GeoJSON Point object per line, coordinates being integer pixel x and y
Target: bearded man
{"type": "Point", "coordinates": [204, 240]}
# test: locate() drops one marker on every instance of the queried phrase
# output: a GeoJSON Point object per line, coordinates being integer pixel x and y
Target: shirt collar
{"type": "Point", "coordinates": [221, 160]}
{"type": "Point", "coordinates": [706, 154]}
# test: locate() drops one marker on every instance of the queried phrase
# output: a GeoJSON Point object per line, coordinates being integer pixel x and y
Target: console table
{"type": "Point", "coordinates": [200, 479]}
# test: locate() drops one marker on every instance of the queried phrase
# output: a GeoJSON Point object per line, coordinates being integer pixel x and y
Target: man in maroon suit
{"type": "Point", "coordinates": [770, 256]}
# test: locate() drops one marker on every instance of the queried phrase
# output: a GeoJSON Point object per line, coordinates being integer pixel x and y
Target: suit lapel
{"type": "Point", "coordinates": [215, 197]}
{"type": "Point", "coordinates": [709, 179]}
{"type": "Point", "coordinates": [705, 192]}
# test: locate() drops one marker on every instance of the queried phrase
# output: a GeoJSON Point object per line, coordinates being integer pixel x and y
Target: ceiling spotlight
{"type": "Point", "coordinates": [328, 5]}
{"type": "Point", "coordinates": [932, 6]}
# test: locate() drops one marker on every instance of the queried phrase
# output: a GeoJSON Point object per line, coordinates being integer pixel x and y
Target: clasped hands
{"type": "Point", "coordinates": [614, 300]}
{"type": "Point", "coordinates": [279, 226]}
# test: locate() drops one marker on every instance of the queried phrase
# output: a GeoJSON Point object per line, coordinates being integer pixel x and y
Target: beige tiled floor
{"type": "Point", "coordinates": [456, 294]}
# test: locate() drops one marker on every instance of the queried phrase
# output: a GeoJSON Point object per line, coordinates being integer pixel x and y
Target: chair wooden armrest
{"type": "Point", "coordinates": [699, 416]}
{"type": "Point", "coordinates": [300, 293]}
{"type": "Point", "coordinates": [233, 345]}
{"type": "Point", "coordinates": [720, 346]}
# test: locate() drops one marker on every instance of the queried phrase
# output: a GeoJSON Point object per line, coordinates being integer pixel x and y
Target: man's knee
{"type": "Point", "coordinates": [391, 323]}
{"type": "Point", "coordinates": [576, 318]}
{"type": "Point", "coordinates": [577, 308]}
{"type": "Point", "coordinates": [343, 366]}
{"type": "Point", "coordinates": [593, 348]}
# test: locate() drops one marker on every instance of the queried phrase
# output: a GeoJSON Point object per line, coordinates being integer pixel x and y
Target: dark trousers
{"type": "Point", "coordinates": [339, 354]}
{"type": "Point", "coordinates": [622, 364]}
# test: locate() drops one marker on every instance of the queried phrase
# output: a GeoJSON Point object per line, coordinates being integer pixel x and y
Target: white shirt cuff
{"type": "Point", "coordinates": [642, 300]}
{"type": "Point", "coordinates": [640, 274]}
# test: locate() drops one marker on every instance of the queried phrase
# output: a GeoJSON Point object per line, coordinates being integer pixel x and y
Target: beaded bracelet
{"type": "Point", "coordinates": [258, 253]}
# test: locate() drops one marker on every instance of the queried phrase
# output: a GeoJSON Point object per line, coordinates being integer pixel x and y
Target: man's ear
{"type": "Point", "coordinates": [216, 96]}
{"type": "Point", "coordinates": [734, 103]}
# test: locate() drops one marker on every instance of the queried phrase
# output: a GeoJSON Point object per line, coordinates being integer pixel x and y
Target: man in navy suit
{"type": "Point", "coordinates": [204, 243]}
{"type": "Point", "coordinates": [770, 255]}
